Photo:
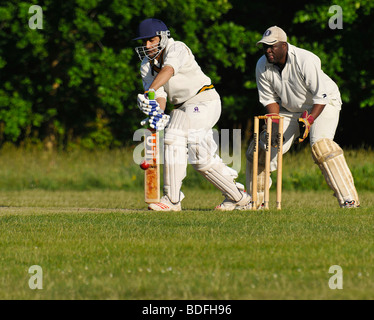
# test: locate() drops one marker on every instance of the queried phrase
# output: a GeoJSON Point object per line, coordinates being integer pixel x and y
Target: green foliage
{"type": "Point", "coordinates": [75, 81]}
{"type": "Point", "coordinates": [344, 52]}
{"type": "Point", "coordinates": [55, 81]}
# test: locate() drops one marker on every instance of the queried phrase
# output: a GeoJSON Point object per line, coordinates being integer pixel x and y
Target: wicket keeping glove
{"type": "Point", "coordinates": [149, 107]}
{"type": "Point", "coordinates": [272, 114]}
{"type": "Point", "coordinates": [274, 132]}
{"type": "Point", "coordinates": [305, 122]}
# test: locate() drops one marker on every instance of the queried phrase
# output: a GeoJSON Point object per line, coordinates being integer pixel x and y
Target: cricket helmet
{"type": "Point", "coordinates": [150, 28]}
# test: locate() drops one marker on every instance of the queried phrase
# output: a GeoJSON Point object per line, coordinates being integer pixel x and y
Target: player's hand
{"type": "Point", "coordinates": [274, 133]}
{"type": "Point", "coordinates": [273, 141]}
{"type": "Point", "coordinates": [149, 92]}
{"type": "Point", "coordinates": [274, 129]}
{"type": "Point", "coordinates": [305, 122]}
{"type": "Point", "coordinates": [157, 122]}
{"type": "Point", "coordinates": [273, 120]}
{"type": "Point", "coordinates": [149, 107]}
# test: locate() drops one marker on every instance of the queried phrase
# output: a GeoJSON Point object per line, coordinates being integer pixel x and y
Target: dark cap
{"type": "Point", "coordinates": [150, 28]}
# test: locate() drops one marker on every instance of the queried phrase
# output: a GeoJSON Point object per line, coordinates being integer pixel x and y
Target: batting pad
{"type": "Point", "coordinates": [222, 177]}
{"type": "Point", "coordinates": [175, 155]}
{"type": "Point", "coordinates": [226, 185]}
{"type": "Point", "coordinates": [330, 158]}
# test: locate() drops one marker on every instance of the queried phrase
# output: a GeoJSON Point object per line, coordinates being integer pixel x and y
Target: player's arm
{"type": "Point", "coordinates": [317, 110]}
{"type": "Point", "coordinates": [154, 109]}
{"type": "Point", "coordinates": [148, 79]}
{"type": "Point", "coordinates": [316, 85]}
{"type": "Point", "coordinates": [266, 93]}
{"type": "Point", "coordinates": [272, 108]}
{"type": "Point", "coordinates": [162, 103]}
{"type": "Point", "coordinates": [163, 77]}
{"type": "Point", "coordinates": [175, 58]}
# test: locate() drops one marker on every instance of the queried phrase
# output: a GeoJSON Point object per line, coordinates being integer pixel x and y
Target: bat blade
{"type": "Point", "coordinates": [152, 174]}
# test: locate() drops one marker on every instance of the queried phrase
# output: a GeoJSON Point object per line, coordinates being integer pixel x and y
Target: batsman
{"type": "Point", "coordinates": [169, 69]}
{"type": "Point", "coordinates": [291, 83]}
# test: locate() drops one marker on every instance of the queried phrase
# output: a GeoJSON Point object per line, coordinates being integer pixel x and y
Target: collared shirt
{"type": "Point", "coordinates": [299, 85]}
{"type": "Point", "coordinates": [188, 77]}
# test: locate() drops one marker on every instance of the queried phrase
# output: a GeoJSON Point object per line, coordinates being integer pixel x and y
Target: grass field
{"type": "Point", "coordinates": [81, 217]}
{"type": "Point", "coordinates": [103, 244]}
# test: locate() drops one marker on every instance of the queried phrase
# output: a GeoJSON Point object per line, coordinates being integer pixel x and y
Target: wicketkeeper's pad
{"type": "Point", "coordinates": [330, 158]}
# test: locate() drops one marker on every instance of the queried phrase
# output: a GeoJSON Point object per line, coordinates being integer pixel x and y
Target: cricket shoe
{"type": "Point", "coordinates": [245, 203]}
{"type": "Point", "coordinates": [350, 204]}
{"type": "Point", "coordinates": [165, 205]}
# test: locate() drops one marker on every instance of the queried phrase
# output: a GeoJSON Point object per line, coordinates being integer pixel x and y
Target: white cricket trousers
{"type": "Point", "coordinates": [189, 136]}
{"type": "Point", "coordinates": [202, 149]}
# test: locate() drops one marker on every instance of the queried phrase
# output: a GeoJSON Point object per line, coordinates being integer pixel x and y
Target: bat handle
{"type": "Point", "coordinates": [151, 95]}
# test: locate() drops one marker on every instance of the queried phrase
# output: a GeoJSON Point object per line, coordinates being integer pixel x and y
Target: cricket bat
{"type": "Point", "coordinates": [152, 157]}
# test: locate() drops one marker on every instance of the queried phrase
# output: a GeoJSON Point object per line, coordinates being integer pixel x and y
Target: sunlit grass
{"type": "Point", "coordinates": [22, 169]}
{"type": "Point", "coordinates": [105, 245]}
{"type": "Point", "coordinates": [81, 216]}
{"type": "Point", "coordinates": [75, 170]}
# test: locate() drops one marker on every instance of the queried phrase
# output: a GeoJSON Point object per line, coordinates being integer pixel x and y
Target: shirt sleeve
{"type": "Point", "coordinates": [315, 80]}
{"type": "Point", "coordinates": [266, 93]}
{"type": "Point", "coordinates": [176, 56]}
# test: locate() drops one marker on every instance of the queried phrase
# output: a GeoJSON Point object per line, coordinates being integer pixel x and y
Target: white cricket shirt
{"type": "Point", "coordinates": [188, 77]}
{"type": "Point", "coordinates": [299, 85]}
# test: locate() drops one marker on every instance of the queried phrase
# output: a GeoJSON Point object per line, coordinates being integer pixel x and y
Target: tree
{"type": "Point", "coordinates": [75, 80]}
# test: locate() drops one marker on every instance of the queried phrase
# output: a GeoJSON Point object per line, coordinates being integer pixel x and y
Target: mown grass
{"type": "Point", "coordinates": [81, 217]}
{"type": "Point", "coordinates": [104, 245]}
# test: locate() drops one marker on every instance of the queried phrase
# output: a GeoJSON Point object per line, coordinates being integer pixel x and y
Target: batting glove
{"type": "Point", "coordinates": [149, 107]}
{"type": "Point", "coordinates": [157, 122]}
{"type": "Point", "coordinates": [305, 122]}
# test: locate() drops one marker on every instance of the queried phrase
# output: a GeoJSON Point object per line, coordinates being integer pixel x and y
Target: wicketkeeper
{"type": "Point", "coordinates": [292, 84]}
{"type": "Point", "coordinates": [169, 68]}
